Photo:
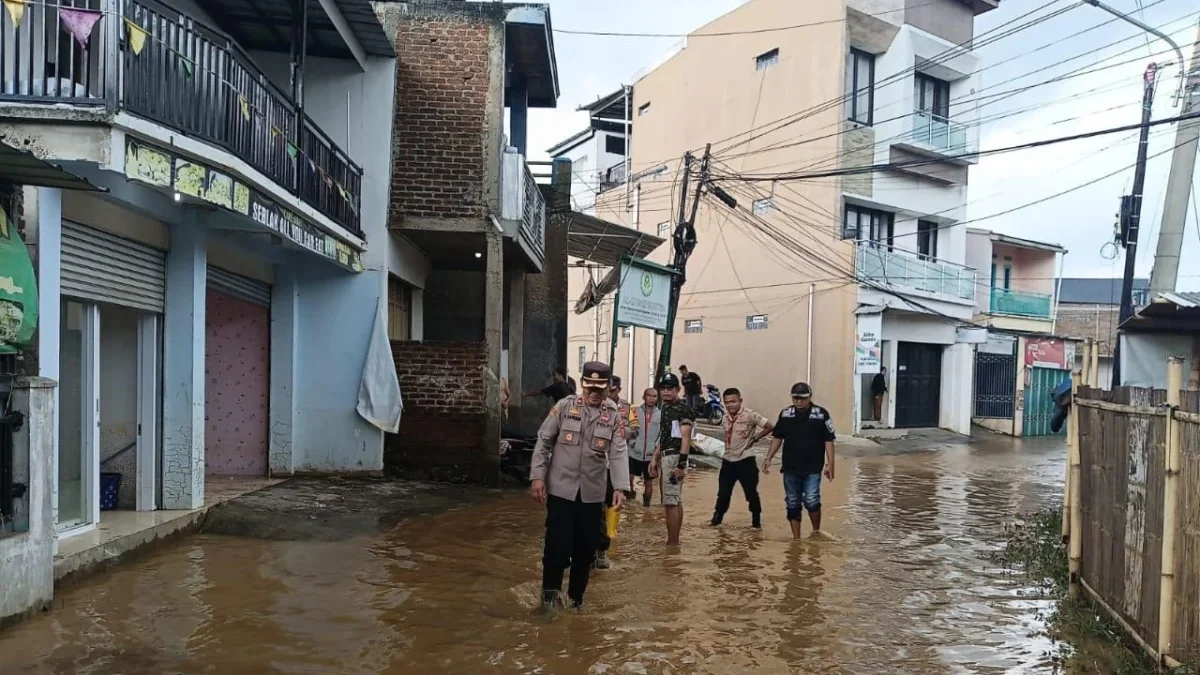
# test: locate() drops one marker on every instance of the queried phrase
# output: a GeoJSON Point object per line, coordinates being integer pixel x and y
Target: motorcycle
{"type": "Point", "coordinates": [712, 408]}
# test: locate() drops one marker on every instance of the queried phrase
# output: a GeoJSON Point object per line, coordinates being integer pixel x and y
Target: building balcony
{"type": "Point", "coordinates": [522, 208]}
{"type": "Point", "coordinates": [937, 136]}
{"type": "Point", "coordinates": [614, 176]}
{"type": "Point", "coordinates": [905, 271]}
{"type": "Point", "coordinates": [1020, 303]}
{"type": "Point", "coordinates": [145, 58]}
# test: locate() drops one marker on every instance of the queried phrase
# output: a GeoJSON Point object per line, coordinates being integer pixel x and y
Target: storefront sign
{"type": "Point", "coordinates": [18, 290]}
{"type": "Point", "coordinates": [1049, 353]}
{"type": "Point", "coordinates": [643, 296]}
{"type": "Point", "coordinates": [868, 351]}
{"type": "Point", "coordinates": [156, 167]}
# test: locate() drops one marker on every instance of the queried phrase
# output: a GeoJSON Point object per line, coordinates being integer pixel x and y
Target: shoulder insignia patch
{"type": "Point", "coordinates": [788, 412]}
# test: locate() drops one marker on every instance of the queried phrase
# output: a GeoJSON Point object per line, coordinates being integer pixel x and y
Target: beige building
{"type": "Point", "coordinates": [780, 288]}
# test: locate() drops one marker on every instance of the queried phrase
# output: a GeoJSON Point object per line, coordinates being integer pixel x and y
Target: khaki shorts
{"type": "Point", "coordinates": [672, 493]}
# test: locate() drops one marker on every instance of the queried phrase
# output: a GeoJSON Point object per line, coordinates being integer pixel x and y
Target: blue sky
{"type": "Point", "coordinates": [1082, 220]}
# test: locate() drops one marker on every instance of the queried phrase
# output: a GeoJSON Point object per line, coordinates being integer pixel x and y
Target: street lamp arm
{"type": "Point", "coordinates": [1151, 30]}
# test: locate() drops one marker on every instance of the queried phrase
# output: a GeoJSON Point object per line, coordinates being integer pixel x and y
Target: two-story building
{"type": "Point", "coordinates": [208, 309]}
{"type": "Point", "coordinates": [825, 279]}
{"type": "Point", "coordinates": [598, 158]}
{"type": "Point", "coordinates": [1024, 357]}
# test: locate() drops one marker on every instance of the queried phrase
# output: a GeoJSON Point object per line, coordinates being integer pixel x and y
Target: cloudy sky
{"type": "Point", "coordinates": [1081, 220]}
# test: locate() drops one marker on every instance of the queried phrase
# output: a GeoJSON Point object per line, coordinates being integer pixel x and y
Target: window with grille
{"type": "Point", "coordinates": [756, 322]}
{"type": "Point", "coordinates": [693, 326]}
{"type": "Point", "coordinates": [766, 59]}
{"type": "Point", "coordinates": [399, 309]}
{"type": "Point", "coordinates": [860, 87]}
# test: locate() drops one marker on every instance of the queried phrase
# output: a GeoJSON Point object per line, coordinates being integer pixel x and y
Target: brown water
{"type": "Point", "coordinates": [906, 587]}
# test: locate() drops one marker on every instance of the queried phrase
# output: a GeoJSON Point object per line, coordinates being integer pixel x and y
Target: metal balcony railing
{"type": "Point", "coordinates": [614, 176]}
{"type": "Point", "coordinates": [183, 75]}
{"type": "Point", "coordinates": [940, 133]}
{"type": "Point", "coordinates": [521, 201]}
{"type": "Point", "coordinates": [905, 270]}
{"type": "Point", "coordinates": [1020, 303]}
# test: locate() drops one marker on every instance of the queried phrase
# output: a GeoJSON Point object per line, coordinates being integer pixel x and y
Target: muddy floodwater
{"type": "Point", "coordinates": [906, 587]}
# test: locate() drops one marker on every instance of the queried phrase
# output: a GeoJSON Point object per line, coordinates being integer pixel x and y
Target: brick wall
{"type": "Point", "coordinates": [442, 429]}
{"type": "Point", "coordinates": [439, 145]}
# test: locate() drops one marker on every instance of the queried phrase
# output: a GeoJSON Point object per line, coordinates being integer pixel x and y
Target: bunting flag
{"type": "Point", "coordinates": [137, 37]}
{"type": "Point", "coordinates": [342, 192]}
{"type": "Point", "coordinates": [275, 131]}
{"type": "Point", "coordinates": [79, 23]}
{"type": "Point", "coordinates": [312, 166]}
{"type": "Point", "coordinates": [328, 180]}
{"type": "Point", "coordinates": [16, 10]}
{"type": "Point", "coordinates": [187, 67]}
{"type": "Point", "coordinates": [245, 106]}
{"type": "Point", "coordinates": [291, 150]}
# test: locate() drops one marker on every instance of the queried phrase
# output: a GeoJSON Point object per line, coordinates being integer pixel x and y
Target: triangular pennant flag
{"type": "Point", "coordinates": [291, 150]}
{"type": "Point", "coordinates": [275, 131]}
{"type": "Point", "coordinates": [312, 166]}
{"type": "Point", "coordinates": [328, 180]}
{"type": "Point", "coordinates": [342, 192]}
{"type": "Point", "coordinates": [137, 37]}
{"type": "Point", "coordinates": [187, 67]}
{"type": "Point", "coordinates": [245, 106]}
{"type": "Point", "coordinates": [16, 10]}
{"type": "Point", "coordinates": [79, 23]}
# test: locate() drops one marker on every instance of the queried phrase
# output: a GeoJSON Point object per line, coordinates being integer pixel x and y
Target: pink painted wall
{"type": "Point", "coordinates": [1033, 269]}
{"type": "Point", "coordinates": [237, 367]}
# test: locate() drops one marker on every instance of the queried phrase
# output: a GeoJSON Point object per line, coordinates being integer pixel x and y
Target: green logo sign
{"type": "Point", "coordinates": [647, 284]}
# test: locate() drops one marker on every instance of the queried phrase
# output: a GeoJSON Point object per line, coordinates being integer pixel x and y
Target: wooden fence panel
{"type": "Point", "coordinates": [1121, 487]}
{"type": "Point", "coordinates": [1186, 636]}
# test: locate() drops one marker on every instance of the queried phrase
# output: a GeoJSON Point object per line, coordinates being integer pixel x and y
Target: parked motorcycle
{"type": "Point", "coordinates": [712, 408]}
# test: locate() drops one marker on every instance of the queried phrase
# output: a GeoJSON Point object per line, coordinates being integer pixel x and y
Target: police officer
{"type": "Point", "coordinates": [623, 412]}
{"type": "Point", "coordinates": [580, 449]}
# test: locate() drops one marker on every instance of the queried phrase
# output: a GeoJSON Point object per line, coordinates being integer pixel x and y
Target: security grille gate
{"type": "Point", "coordinates": [995, 385]}
{"type": "Point", "coordinates": [103, 267]}
{"type": "Point", "coordinates": [238, 286]}
{"type": "Point", "coordinates": [1039, 401]}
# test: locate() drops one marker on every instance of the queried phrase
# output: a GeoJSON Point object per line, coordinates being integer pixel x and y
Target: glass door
{"type": "Point", "coordinates": [78, 418]}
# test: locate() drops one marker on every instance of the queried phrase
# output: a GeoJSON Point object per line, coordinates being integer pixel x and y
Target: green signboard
{"type": "Point", "coordinates": [18, 290]}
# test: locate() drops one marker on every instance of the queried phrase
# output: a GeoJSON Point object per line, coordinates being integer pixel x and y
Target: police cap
{"type": "Point", "coordinates": [595, 375]}
{"type": "Point", "coordinates": [801, 390]}
{"type": "Point", "coordinates": [668, 381]}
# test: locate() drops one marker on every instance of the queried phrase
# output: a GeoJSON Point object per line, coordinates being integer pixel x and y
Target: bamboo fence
{"type": "Point", "coordinates": [1132, 516]}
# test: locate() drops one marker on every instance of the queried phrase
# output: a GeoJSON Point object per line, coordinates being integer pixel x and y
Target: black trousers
{"type": "Point", "coordinates": [744, 471]}
{"type": "Point", "coordinates": [603, 543]}
{"type": "Point", "coordinates": [570, 543]}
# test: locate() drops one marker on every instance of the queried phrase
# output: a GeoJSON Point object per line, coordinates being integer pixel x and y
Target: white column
{"type": "Point", "coordinates": [49, 276]}
{"type": "Point", "coordinates": [183, 368]}
{"type": "Point", "coordinates": [147, 402]}
{"type": "Point", "coordinates": [282, 452]}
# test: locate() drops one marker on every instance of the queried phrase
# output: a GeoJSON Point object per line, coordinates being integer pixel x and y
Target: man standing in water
{"type": "Point", "coordinates": [743, 428]}
{"type": "Point", "coordinates": [805, 431]}
{"type": "Point", "coordinates": [643, 437]}
{"type": "Point", "coordinates": [674, 444]}
{"type": "Point", "coordinates": [579, 450]}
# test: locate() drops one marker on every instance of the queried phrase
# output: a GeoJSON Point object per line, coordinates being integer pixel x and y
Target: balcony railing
{"type": "Point", "coordinates": [904, 270]}
{"type": "Point", "coordinates": [614, 176]}
{"type": "Point", "coordinates": [186, 76]}
{"type": "Point", "coordinates": [939, 133]}
{"type": "Point", "coordinates": [1020, 303]}
{"type": "Point", "coordinates": [521, 201]}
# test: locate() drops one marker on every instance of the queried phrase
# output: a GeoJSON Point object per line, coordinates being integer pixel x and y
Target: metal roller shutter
{"type": "Point", "coordinates": [103, 267]}
{"type": "Point", "coordinates": [239, 286]}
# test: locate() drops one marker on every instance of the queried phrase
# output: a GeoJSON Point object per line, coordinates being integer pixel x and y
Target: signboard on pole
{"type": "Point", "coordinates": [868, 351]}
{"type": "Point", "coordinates": [643, 295]}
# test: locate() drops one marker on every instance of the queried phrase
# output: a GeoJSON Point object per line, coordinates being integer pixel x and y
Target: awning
{"type": "Point", "coordinates": [21, 167]}
{"type": "Point", "coordinates": [594, 293]}
{"type": "Point", "coordinates": [604, 243]}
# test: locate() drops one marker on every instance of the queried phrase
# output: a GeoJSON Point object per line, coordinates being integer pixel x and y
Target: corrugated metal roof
{"type": "Point", "coordinates": [605, 243]}
{"type": "Point", "coordinates": [21, 167]}
{"type": "Point", "coordinates": [266, 25]}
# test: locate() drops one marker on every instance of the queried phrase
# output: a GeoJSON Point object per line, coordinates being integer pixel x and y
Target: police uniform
{"type": "Point", "coordinates": [580, 449]}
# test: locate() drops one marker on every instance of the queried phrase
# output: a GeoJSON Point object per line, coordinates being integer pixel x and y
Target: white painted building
{"type": "Point", "coordinates": [598, 153]}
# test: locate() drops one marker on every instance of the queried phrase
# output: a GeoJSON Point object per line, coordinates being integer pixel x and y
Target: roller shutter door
{"type": "Point", "coordinates": [102, 267]}
{"type": "Point", "coordinates": [238, 286]}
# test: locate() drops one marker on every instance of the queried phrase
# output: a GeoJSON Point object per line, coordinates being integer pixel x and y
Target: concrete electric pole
{"type": "Point", "coordinates": [1165, 272]}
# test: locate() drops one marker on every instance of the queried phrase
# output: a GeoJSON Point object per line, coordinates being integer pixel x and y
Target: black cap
{"type": "Point", "coordinates": [801, 390]}
{"type": "Point", "coordinates": [668, 381]}
{"type": "Point", "coordinates": [595, 375]}
{"type": "Point", "coordinates": [615, 381]}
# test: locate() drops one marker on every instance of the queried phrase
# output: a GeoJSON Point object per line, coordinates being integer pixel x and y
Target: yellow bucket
{"type": "Point", "coordinates": [611, 518]}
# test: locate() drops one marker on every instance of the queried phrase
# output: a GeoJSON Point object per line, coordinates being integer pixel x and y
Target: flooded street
{"type": "Point", "coordinates": [906, 587]}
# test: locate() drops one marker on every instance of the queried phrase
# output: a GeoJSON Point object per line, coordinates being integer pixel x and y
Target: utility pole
{"type": "Point", "coordinates": [683, 243]}
{"type": "Point", "coordinates": [1131, 214]}
{"type": "Point", "coordinates": [1165, 272]}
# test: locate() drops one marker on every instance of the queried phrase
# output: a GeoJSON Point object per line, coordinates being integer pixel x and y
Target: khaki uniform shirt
{"type": "Point", "coordinates": [740, 430]}
{"type": "Point", "coordinates": [578, 447]}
